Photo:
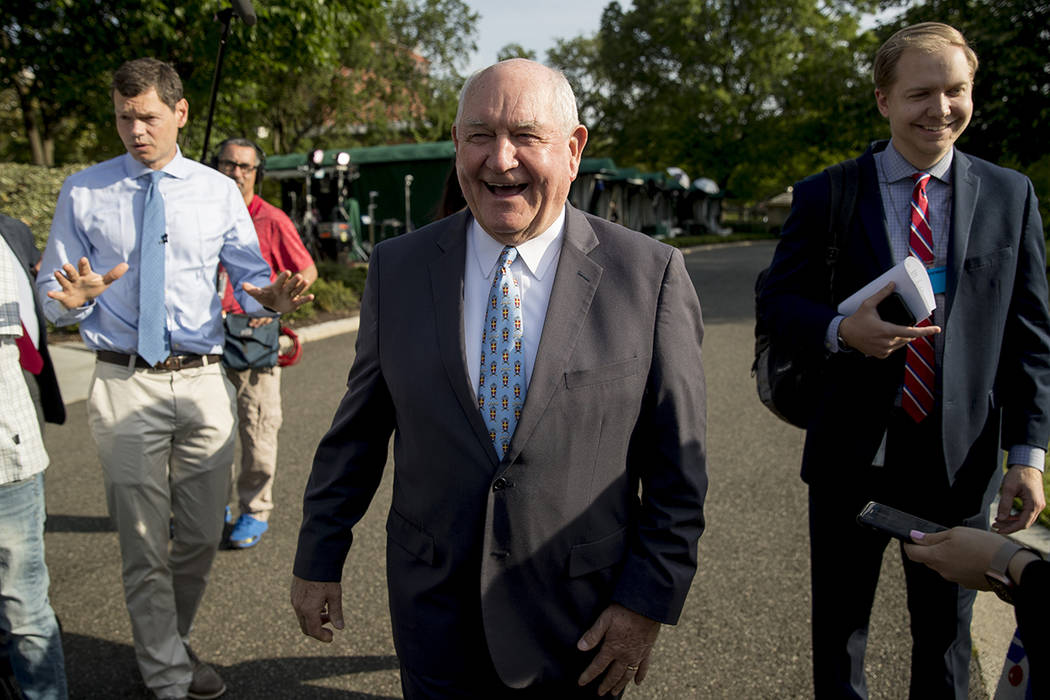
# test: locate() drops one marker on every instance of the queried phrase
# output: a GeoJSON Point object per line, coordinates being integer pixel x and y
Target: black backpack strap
{"type": "Point", "coordinates": [843, 180]}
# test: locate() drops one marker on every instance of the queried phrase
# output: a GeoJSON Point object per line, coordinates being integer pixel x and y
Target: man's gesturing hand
{"type": "Point", "coordinates": [626, 640]}
{"type": "Point", "coordinates": [284, 295]}
{"type": "Point", "coordinates": [81, 284]}
{"type": "Point", "coordinates": [316, 604]}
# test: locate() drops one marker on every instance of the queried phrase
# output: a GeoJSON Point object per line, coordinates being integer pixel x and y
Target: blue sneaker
{"type": "Point", "coordinates": [246, 532]}
{"type": "Point", "coordinates": [229, 516]}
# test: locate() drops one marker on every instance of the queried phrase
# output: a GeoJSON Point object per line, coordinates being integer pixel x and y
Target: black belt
{"type": "Point", "coordinates": [173, 362]}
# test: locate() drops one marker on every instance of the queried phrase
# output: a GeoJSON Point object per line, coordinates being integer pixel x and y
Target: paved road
{"type": "Point", "coordinates": [744, 632]}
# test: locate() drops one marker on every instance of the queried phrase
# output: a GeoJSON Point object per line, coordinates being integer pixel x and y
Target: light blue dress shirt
{"type": "Point", "coordinates": [98, 216]}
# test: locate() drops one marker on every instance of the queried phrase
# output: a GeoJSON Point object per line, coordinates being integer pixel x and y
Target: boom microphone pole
{"type": "Point", "coordinates": [243, 9]}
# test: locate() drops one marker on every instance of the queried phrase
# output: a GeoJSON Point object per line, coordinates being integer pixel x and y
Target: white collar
{"type": "Point", "coordinates": [537, 253]}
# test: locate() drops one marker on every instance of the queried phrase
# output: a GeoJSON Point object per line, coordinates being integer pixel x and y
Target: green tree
{"type": "Point", "coordinates": [394, 80]}
{"type": "Point", "coordinates": [306, 72]}
{"type": "Point", "coordinates": [724, 88]}
{"type": "Point", "coordinates": [515, 50]}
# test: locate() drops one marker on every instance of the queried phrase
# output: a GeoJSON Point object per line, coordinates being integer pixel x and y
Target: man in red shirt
{"type": "Point", "coordinates": [259, 389]}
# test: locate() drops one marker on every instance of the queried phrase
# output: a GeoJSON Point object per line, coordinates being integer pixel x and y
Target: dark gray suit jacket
{"type": "Point", "coordinates": [995, 371]}
{"type": "Point", "coordinates": [598, 500]}
{"type": "Point", "coordinates": [20, 240]}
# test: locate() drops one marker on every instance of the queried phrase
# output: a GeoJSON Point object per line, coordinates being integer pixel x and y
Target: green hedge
{"type": "Point", "coordinates": [29, 193]}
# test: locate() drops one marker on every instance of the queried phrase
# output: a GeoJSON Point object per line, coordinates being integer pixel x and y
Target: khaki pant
{"type": "Point", "coordinates": [165, 440]}
{"type": "Point", "coordinates": [259, 418]}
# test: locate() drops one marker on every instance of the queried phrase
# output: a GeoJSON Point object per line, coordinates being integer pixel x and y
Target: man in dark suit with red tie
{"type": "Point", "coordinates": [914, 416]}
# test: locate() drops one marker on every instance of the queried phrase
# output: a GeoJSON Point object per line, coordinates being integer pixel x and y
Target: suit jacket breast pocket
{"type": "Point", "coordinates": [985, 285]}
{"type": "Point", "coordinates": [992, 259]}
{"type": "Point", "coordinates": [601, 375]}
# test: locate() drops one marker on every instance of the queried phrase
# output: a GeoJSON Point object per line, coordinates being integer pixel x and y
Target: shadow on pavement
{"type": "Point", "coordinates": [78, 523]}
{"type": "Point", "coordinates": [103, 670]}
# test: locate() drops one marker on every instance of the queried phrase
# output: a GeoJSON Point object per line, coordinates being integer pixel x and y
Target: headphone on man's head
{"type": "Point", "coordinates": [237, 141]}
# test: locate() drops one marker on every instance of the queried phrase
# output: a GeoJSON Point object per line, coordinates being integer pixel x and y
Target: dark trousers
{"type": "Point", "coordinates": [846, 558]}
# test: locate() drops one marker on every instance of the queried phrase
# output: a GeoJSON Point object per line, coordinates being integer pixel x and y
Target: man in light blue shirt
{"type": "Point", "coordinates": [164, 426]}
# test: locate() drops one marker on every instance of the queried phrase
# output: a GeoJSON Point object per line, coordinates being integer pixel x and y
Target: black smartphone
{"type": "Point", "coordinates": [893, 309]}
{"type": "Point", "coordinates": [894, 522]}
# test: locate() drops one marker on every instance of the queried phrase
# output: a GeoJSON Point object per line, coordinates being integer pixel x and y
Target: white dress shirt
{"type": "Point", "coordinates": [534, 269]}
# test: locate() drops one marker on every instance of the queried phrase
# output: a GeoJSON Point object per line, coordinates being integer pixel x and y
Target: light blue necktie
{"type": "Point", "coordinates": [501, 388]}
{"type": "Point", "coordinates": [153, 333]}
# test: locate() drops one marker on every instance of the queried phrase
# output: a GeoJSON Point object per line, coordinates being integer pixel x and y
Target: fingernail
{"type": "Point", "coordinates": [917, 536]}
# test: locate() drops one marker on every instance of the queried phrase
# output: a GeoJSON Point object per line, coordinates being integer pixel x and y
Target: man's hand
{"type": "Point", "coordinates": [1022, 482]}
{"type": "Point", "coordinates": [866, 332]}
{"type": "Point", "coordinates": [626, 640]}
{"type": "Point", "coordinates": [284, 295]}
{"type": "Point", "coordinates": [260, 321]}
{"type": "Point", "coordinates": [81, 284]}
{"type": "Point", "coordinates": [316, 604]}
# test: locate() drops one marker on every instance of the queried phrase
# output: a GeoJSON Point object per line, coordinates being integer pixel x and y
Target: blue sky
{"type": "Point", "coordinates": [534, 24]}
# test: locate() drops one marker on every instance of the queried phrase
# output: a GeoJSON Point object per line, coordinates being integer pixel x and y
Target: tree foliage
{"type": "Point", "coordinates": [758, 95]}
{"type": "Point", "coordinates": [393, 81]}
{"type": "Point", "coordinates": [723, 88]}
{"type": "Point", "coordinates": [515, 50]}
{"type": "Point", "coordinates": [307, 72]}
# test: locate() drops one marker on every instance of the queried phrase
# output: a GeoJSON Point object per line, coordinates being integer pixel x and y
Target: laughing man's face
{"type": "Point", "coordinates": [515, 163]}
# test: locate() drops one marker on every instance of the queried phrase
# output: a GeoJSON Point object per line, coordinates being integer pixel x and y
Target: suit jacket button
{"type": "Point", "coordinates": [500, 484]}
{"type": "Point", "coordinates": [500, 554]}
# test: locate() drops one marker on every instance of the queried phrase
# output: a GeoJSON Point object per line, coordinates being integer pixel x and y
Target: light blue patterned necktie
{"type": "Point", "coordinates": [501, 387]}
{"type": "Point", "coordinates": [152, 331]}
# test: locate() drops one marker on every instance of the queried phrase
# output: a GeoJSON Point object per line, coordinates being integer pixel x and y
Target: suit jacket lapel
{"type": "Point", "coordinates": [965, 189]}
{"type": "Point", "coordinates": [446, 279]}
{"type": "Point", "coordinates": [575, 283]}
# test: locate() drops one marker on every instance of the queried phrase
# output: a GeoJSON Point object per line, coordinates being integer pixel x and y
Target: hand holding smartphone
{"type": "Point", "coordinates": [895, 523]}
{"type": "Point", "coordinates": [893, 309]}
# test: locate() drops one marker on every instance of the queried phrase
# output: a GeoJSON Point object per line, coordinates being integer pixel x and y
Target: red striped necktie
{"type": "Point", "coordinates": [919, 366]}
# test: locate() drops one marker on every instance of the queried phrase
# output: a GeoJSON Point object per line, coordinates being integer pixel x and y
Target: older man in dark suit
{"type": "Point", "coordinates": [541, 371]}
{"type": "Point", "coordinates": [914, 416]}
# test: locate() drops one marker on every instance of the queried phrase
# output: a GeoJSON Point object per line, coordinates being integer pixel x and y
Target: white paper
{"type": "Point", "coordinates": [911, 281]}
